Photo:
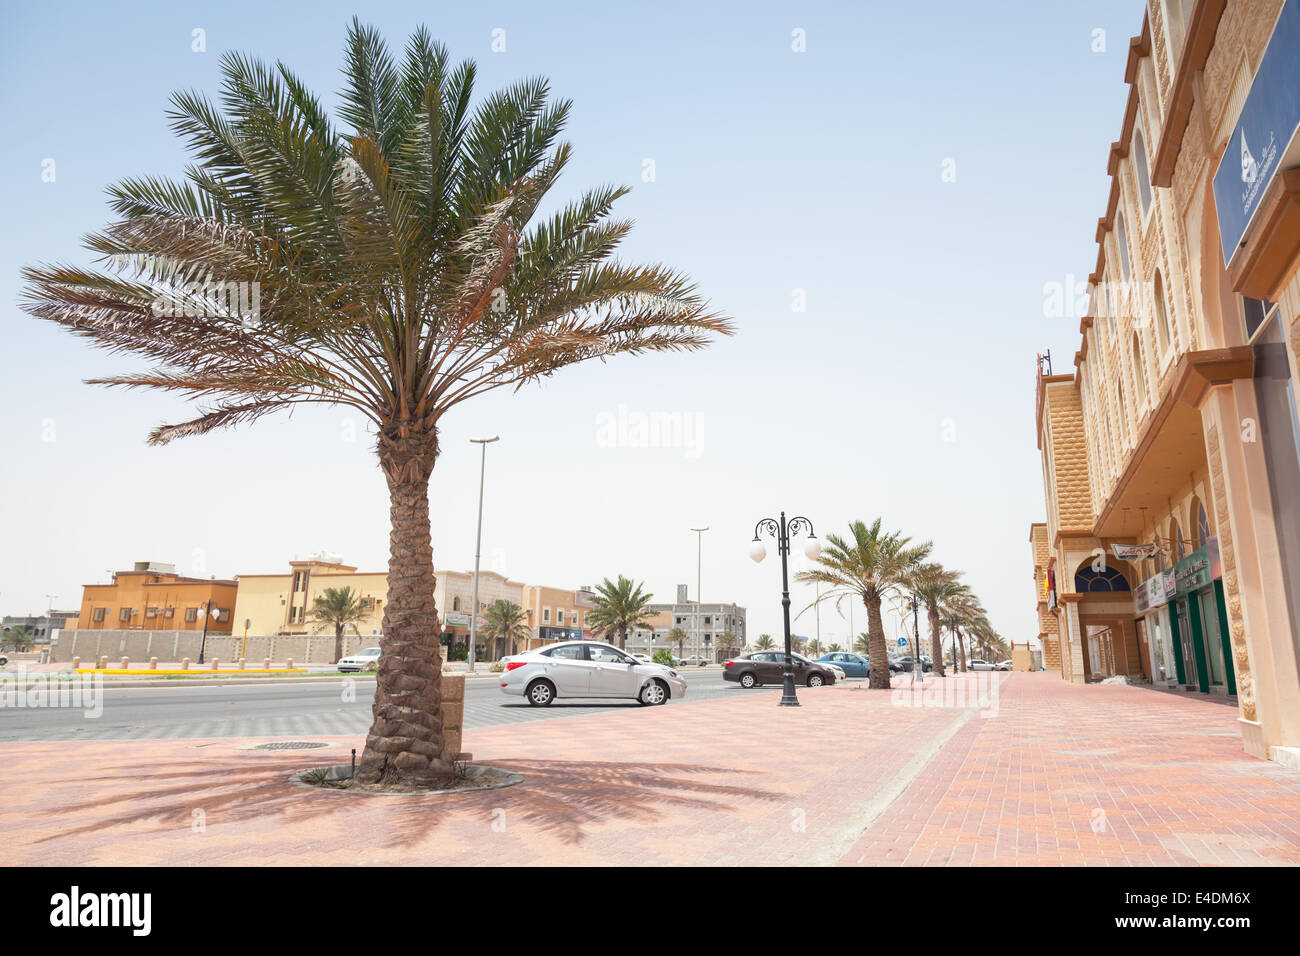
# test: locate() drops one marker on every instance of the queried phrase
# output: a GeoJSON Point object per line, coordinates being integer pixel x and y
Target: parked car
{"type": "Point", "coordinates": [768, 667]}
{"type": "Point", "coordinates": [853, 665]}
{"type": "Point", "coordinates": [905, 664]}
{"type": "Point", "coordinates": [367, 660]}
{"type": "Point", "coordinates": [979, 664]}
{"type": "Point", "coordinates": [694, 661]}
{"type": "Point", "coordinates": [588, 669]}
{"type": "Point", "coordinates": [1003, 665]}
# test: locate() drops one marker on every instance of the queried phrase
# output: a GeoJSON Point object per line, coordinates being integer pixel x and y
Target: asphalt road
{"type": "Point", "coordinates": [288, 710]}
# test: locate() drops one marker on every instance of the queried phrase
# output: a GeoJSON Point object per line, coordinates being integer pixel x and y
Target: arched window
{"type": "Point", "coordinates": [1202, 525]}
{"type": "Point", "coordinates": [1139, 372]}
{"type": "Point", "coordinates": [1143, 174]}
{"type": "Point", "coordinates": [1176, 533]}
{"type": "Point", "coordinates": [1121, 240]}
{"type": "Point", "coordinates": [1091, 580]}
{"type": "Point", "coordinates": [455, 604]}
{"type": "Point", "coordinates": [1162, 316]}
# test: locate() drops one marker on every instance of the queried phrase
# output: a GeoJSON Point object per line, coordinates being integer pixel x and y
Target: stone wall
{"type": "Point", "coordinates": [171, 646]}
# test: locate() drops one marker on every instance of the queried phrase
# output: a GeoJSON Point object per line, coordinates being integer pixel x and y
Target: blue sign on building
{"type": "Point", "coordinates": [1263, 133]}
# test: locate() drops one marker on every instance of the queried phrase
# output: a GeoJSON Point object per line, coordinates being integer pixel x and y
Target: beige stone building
{"type": "Point", "coordinates": [1171, 452]}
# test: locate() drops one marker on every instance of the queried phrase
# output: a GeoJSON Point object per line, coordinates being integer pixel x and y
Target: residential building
{"type": "Point", "coordinates": [704, 624]}
{"type": "Point", "coordinates": [153, 597]}
{"type": "Point", "coordinates": [557, 614]}
{"type": "Point", "coordinates": [41, 625]}
{"type": "Point", "coordinates": [281, 603]}
{"type": "Point", "coordinates": [1171, 453]}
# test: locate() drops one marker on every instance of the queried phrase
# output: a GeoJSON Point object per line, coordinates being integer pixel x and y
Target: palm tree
{"type": "Point", "coordinates": [505, 623]}
{"type": "Point", "coordinates": [20, 636]}
{"type": "Point", "coordinates": [728, 643]}
{"type": "Point", "coordinates": [396, 268]}
{"type": "Point", "coordinates": [834, 647]}
{"type": "Point", "coordinates": [678, 635]}
{"type": "Point", "coordinates": [618, 607]}
{"type": "Point", "coordinates": [872, 565]}
{"type": "Point", "coordinates": [961, 609]}
{"type": "Point", "coordinates": [338, 607]}
{"type": "Point", "coordinates": [934, 584]}
{"type": "Point", "coordinates": [765, 642]}
{"type": "Point", "coordinates": [814, 647]}
{"type": "Point", "coordinates": [862, 643]}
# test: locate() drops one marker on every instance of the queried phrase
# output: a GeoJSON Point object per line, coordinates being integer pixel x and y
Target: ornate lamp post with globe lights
{"type": "Point", "coordinates": [782, 531]}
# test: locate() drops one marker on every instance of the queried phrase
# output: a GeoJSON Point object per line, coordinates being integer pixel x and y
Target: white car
{"type": "Point", "coordinates": [695, 661]}
{"type": "Point", "coordinates": [366, 660]}
{"type": "Point", "coordinates": [979, 664]}
{"type": "Point", "coordinates": [587, 669]}
{"type": "Point", "coordinates": [1002, 665]}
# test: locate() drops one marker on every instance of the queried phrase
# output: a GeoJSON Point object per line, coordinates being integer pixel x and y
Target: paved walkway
{"type": "Point", "coordinates": [1049, 774]}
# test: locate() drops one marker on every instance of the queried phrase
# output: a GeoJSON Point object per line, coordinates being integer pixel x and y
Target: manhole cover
{"type": "Point", "coordinates": [290, 745]}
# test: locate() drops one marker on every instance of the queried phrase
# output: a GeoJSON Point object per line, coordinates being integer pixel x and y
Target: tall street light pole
{"type": "Point", "coordinates": [782, 531]}
{"type": "Point", "coordinates": [918, 665]}
{"type": "Point", "coordinates": [699, 576]}
{"type": "Point", "coordinates": [478, 543]}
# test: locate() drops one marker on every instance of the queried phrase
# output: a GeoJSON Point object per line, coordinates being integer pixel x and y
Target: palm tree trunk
{"type": "Point", "coordinates": [622, 638]}
{"type": "Point", "coordinates": [961, 645]}
{"type": "Point", "coordinates": [338, 641]}
{"type": "Point", "coordinates": [936, 643]}
{"type": "Point", "coordinates": [405, 745]}
{"type": "Point", "coordinates": [878, 653]}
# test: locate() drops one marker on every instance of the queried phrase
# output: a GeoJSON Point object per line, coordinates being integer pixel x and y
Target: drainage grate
{"type": "Point", "coordinates": [290, 745]}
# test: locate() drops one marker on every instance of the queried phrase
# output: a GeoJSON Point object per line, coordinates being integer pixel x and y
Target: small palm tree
{"type": "Point", "coordinates": [618, 607]}
{"type": "Point", "coordinates": [21, 637]}
{"type": "Point", "coordinates": [338, 608]}
{"type": "Point", "coordinates": [678, 635]}
{"type": "Point", "coordinates": [397, 268]}
{"type": "Point", "coordinates": [765, 642]}
{"type": "Point", "coordinates": [862, 643]}
{"type": "Point", "coordinates": [871, 564]}
{"type": "Point", "coordinates": [834, 648]}
{"type": "Point", "coordinates": [505, 624]}
{"type": "Point", "coordinates": [728, 643]}
{"type": "Point", "coordinates": [815, 647]}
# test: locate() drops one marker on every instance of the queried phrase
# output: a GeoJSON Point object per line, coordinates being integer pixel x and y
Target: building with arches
{"type": "Point", "coordinates": [1171, 452]}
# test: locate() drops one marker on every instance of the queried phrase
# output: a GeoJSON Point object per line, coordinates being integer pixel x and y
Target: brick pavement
{"type": "Point", "coordinates": [850, 777]}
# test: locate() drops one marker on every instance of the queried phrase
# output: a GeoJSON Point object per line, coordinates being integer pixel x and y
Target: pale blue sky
{"type": "Point", "coordinates": [775, 171]}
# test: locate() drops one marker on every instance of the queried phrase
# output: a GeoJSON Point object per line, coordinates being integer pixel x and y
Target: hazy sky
{"type": "Point", "coordinates": [903, 389]}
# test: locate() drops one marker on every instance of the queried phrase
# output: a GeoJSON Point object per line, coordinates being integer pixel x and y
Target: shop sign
{"type": "Point", "coordinates": [1130, 552]}
{"type": "Point", "coordinates": [1259, 145]}
{"type": "Point", "coordinates": [1154, 592]}
{"type": "Point", "coordinates": [1193, 572]}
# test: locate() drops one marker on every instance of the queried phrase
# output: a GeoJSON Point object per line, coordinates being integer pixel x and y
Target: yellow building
{"type": "Point", "coordinates": [272, 604]}
{"type": "Point", "coordinates": [153, 597]}
{"type": "Point", "coordinates": [1171, 453]}
{"type": "Point", "coordinates": [557, 614]}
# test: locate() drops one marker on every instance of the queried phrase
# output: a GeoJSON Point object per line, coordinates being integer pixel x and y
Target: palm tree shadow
{"type": "Point", "coordinates": [563, 798]}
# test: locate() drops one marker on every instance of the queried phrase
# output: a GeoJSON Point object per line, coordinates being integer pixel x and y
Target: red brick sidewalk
{"type": "Point", "coordinates": [852, 777]}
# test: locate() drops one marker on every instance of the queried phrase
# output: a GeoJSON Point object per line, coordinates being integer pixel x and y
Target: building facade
{"type": "Point", "coordinates": [557, 614]}
{"type": "Point", "coordinates": [40, 626]}
{"type": "Point", "coordinates": [153, 597]}
{"type": "Point", "coordinates": [1171, 453]}
{"type": "Point", "coordinates": [705, 626]}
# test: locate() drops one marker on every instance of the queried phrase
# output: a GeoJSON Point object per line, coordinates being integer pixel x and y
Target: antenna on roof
{"type": "Point", "coordinates": [1045, 362]}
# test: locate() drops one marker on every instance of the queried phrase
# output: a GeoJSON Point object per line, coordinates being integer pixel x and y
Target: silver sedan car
{"type": "Point", "coordinates": [587, 669]}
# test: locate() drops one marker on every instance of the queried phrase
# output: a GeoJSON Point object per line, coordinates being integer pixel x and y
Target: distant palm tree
{"type": "Point", "coordinates": [20, 637]}
{"type": "Point", "coordinates": [871, 565]}
{"type": "Point", "coordinates": [678, 635]}
{"type": "Point", "coordinates": [338, 608]}
{"type": "Point", "coordinates": [934, 584]}
{"type": "Point", "coordinates": [862, 643]}
{"type": "Point", "coordinates": [814, 647]}
{"type": "Point", "coordinates": [834, 648]}
{"type": "Point", "coordinates": [619, 607]}
{"type": "Point", "coordinates": [505, 624]}
{"type": "Point", "coordinates": [396, 267]}
{"type": "Point", "coordinates": [728, 643]}
{"type": "Point", "coordinates": [765, 642]}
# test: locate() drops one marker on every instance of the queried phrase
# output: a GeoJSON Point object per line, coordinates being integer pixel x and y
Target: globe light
{"type": "Point", "coordinates": [812, 548]}
{"type": "Point", "coordinates": [757, 551]}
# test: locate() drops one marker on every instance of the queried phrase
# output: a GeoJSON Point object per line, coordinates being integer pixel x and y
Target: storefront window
{"type": "Point", "coordinates": [1211, 637]}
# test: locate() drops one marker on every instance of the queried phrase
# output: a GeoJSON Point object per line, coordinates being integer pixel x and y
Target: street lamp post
{"type": "Point", "coordinates": [782, 531]}
{"type": "Point", "coordinates": [918, 665]}
{"type": "Point", "coordinates": [478, 542]}
{"type": "Point", "coordinates": [699, 597]}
